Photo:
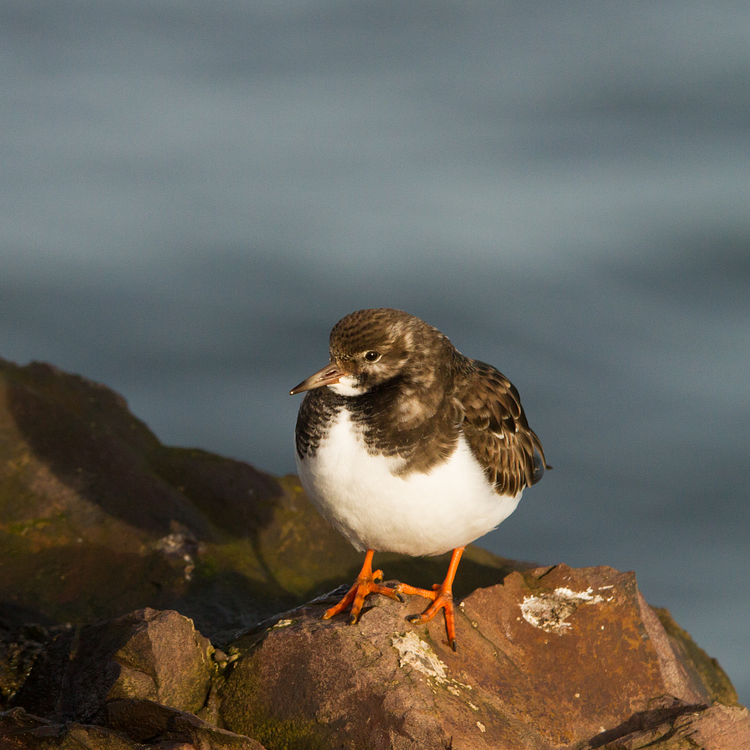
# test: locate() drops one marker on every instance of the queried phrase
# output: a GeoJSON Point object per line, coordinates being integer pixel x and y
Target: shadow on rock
{"type": "Point", "coordinates": [85, 435]}
{"type": "Point", "coordinates": [98, 518]}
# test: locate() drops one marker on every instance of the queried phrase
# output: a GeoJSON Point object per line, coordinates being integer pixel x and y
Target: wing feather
{"type": "Point", "coordinates": [496, 429]}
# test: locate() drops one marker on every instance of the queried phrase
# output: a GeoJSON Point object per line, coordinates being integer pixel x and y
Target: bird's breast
{"type": "Point", "coordinates": [368, 497]}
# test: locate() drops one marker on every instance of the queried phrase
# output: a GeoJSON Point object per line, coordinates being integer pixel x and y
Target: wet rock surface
{"type": "Point", "coordinates": [155, 597]}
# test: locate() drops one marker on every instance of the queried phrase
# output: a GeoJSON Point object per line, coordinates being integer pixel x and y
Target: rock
{"type": "Point", "coordinates": [147, 721]}
{"type": "Point", "coordinates": [21, 640]}
{"type": "Point", "coordinates": [549, 659]}
{"type": "Point", "coordinates": [146, 655]}
{"type": "Point", "coordinates": [89, 527]}
{"type": "Point", "coordinates": [20, 731]}
{"type": "Point", "coordinates": [145, 725]}
{"type": "Point", "coordinates": [707, 669]}
{"type": "Point", "coordinates": [670, 724]}
{"type": "Point", "coordinates": [98, 518]}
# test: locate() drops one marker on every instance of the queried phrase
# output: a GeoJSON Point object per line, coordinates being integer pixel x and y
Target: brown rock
{"type": "Point", "coordinates": [146, 655]}
{"type": "Point", "coordinates": [144, 725]}
{"type": "Point", "coordinates": [717, 728]}
{"type": "Point", "coordinates": [89, 527]}
{"type": "Point", "coordinates": [554, 658]}
{"type": "Point", "coordinates": [670, 724]}
{"type": "Point", "coordinates": [548, 659]}
{"type": "Point", "coordinates": [149, 722]}
{"type": "Point", "coordinates": [98, 518]}
{"type": "Point", "coordinates": [20, 644]}
{"type": "Point", "coordinates": [706, 668]}
{"type": "Point", "coordinates": [21, 731]}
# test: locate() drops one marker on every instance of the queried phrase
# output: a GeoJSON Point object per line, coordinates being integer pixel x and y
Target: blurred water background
{"type": "Point", "coordinates": [193, 193]}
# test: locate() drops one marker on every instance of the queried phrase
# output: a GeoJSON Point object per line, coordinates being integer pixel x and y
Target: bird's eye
{"type": "Point", "coordinates": [372, 356]}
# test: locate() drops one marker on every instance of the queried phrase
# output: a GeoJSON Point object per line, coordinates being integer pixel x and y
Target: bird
{"type": "Point", "coordinates": [405, 445]}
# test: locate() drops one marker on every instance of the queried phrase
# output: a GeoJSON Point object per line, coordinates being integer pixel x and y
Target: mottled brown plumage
{"type": "Point", "coordinates": [418, 397]}
{"type": "Point", "coordinates": [406, 445]}
{"type": "Point", "coordinates": [495, 425]}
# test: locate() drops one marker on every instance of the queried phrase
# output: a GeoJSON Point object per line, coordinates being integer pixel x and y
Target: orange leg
{"type": "Point", "coordinates": [442, 598]}
{"type": "Point", "coordinates": [367, 583]}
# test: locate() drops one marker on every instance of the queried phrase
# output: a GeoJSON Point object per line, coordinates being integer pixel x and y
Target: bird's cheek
{"type": "Point", "coordinates": [348, 385]}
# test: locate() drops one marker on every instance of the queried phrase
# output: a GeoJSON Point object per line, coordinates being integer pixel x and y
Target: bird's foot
{"type": "Point", "coordinates": [366, 584]}
{"type": "Point", "coordinates": [442, 598]}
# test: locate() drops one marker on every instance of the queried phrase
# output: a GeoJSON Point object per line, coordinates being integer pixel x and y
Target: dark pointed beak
{"type": "Point", "coordinates": [328, 375]}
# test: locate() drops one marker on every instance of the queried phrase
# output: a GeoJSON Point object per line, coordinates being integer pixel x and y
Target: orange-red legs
{"type": "Point", "coordinates": [442, 598]}
{"type": "Point", "coordinates": [367, 583]}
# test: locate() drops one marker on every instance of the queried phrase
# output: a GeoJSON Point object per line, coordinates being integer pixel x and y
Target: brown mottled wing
{"type": "Point", "coordinates": [496, 429]}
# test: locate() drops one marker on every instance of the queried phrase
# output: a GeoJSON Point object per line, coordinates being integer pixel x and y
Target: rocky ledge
{"type": "Point", "coordinates": [162, 597]}
{"type": "Point", "coordinates": [551, 658]}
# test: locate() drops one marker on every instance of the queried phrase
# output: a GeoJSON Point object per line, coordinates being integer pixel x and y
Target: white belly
{"type": "Point", "coordinates": [418, 514]}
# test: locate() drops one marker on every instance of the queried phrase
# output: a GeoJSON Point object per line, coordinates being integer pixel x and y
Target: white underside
{"type": "Point", "coordinates": [419, 514]}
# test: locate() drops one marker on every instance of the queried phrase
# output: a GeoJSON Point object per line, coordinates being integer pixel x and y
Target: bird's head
{"type": "Point", "coordinates": [371, 347]}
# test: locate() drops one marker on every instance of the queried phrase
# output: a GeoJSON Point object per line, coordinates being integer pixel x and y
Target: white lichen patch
{"type": "Point", "coordinates": [549, 612]}
{"type": "Point", "coordinates": [414, 652]}
{"type": "Point", "coordinates": [585, 596]}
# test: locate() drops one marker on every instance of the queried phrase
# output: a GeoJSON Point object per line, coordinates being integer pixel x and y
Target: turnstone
{"type": "Point", "coordinates": [405, 445]}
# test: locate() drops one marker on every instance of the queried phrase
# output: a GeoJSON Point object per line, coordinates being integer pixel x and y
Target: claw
{"type": "Point", "coordinates": [366, 584]}
{"type": "Point", "coordinates": [442, 598]}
